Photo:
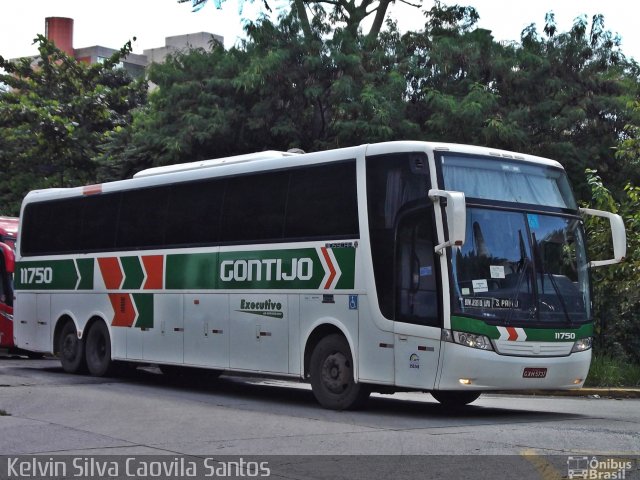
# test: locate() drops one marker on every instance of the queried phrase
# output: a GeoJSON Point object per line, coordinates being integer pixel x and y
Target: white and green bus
{"type": "Point", "coordinates": [397, 266]}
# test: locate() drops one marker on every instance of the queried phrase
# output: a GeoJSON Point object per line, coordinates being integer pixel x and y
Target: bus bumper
{"type": "Point", "coordinates": [465, 368]}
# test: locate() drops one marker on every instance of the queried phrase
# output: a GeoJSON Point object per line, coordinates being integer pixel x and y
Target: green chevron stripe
{"type": "Point", "coordinates": [144, 305]}
{"type": "Point", "coordinates": [85, 267]}
{"type": "Point", "coordinates": [346, 258]}
{"type": "Point", "coordinates": [133, 273]}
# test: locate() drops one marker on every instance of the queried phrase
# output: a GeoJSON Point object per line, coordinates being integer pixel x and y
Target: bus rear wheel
{"type": "Point", "coordinates": [71, 349]}
{"type": "Point", "coordinates": [98, 350]}
{"type": "Point", "coordinates": [332, 381]}
{"type": "Point", "coordinates": [455, 399]}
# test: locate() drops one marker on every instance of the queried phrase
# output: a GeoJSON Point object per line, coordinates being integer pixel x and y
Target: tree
{"type": "Point", "coordinates": [343, 14]}
{"type": "Point", "coordinates": [195, 112]}
{"type": "Point", "coordinates": [54, 118]}
{"type": "Point", "coordinates": [616, 295]}
{"type": "Point", "coordinates": [615, 288]}
{"type": "Point", "coordinates": [558, 95]}
{"type": "Point", "coordinates": [277, 91]}
{"type": "Point", "coordinates": [455, 75]}
{"type": "Point", "coordinates": [570, 94]}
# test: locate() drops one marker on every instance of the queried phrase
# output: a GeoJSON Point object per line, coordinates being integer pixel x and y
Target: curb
{"type": "Point", "coordinates": [579, 392]}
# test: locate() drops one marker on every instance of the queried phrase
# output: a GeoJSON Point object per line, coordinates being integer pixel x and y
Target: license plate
{"type": "Point", "coordinates": [531, 372]}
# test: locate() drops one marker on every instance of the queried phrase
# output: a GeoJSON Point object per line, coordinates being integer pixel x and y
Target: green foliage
{"type": "Point", "coordinates": [55, 116]}
{"type": "Point", "coordinates": [615, 287]}
{"type": "Point", "coordinates": [191, 114]}
{"type": "Point", "coordinates": [278, 91]}
{"type": "Point", "coordinates": [559, 95]}
{"type": "Point", "coordinates": [345, 15]}
{"type": "Point", "coordinates": [612, 372]}
{"type": "Point", "coordinates": [322, 83]}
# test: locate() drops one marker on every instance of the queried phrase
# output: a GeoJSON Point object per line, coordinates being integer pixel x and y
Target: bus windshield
{"type": "Point", "coordinates": [507, 181]}
{"type": "Point", "coordinates": [522, 268]}
{"type": "Point", "coordinates": [518, 266]}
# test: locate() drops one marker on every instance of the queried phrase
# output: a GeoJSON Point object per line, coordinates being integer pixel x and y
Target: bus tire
{"type": "Point", "coordinates": [454, 399]}
{"type": "Point", "coordinates": [71, 349]}
{"type": "Point", "coordinates": [98, 350]}
{"type": "Point", "coordinates": [331, 370]}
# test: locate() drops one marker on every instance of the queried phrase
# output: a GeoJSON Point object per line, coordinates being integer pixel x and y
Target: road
{"type": "Point", "coordinates": [48, 412]}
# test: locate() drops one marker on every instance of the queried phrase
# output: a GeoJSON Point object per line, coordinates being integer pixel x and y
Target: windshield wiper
{"type": "Point", "coordinates": [523, 265]}
{"type": "Point", "coordinates": [540, 267]}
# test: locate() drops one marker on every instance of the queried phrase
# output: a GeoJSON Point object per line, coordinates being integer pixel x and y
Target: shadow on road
{"type": "Point", "coordinates": [287, 395]}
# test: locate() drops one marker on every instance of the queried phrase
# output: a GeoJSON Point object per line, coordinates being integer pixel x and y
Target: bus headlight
{"type": "Point", "coordinates": [582, 345]}
{"type": "Point", "coordinates": [472, 340]}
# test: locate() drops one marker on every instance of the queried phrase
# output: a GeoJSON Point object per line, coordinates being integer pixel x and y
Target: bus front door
{"type": "Point", "coordinates": [417, 302]}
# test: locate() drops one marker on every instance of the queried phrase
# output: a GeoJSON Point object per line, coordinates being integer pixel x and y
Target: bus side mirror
{"type": "Point", "coordinates": [618, 236]}
{"type": "Point", "coordinates": [456, 211]}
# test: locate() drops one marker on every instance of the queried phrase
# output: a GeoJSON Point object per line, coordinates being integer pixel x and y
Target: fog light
{"type": "Point", "coordinates": [465, 381]}
{"type": "Point", "coordinates": [577, 381]}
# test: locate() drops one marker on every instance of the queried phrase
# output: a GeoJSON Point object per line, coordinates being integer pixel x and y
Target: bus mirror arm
{"type": "Point", "coordinates": [456, 212]}
{"type": "Point", "coordinates": [618, 236]}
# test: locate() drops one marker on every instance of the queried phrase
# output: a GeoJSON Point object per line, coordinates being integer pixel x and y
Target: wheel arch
{"type": "Point", "coordinates": [62, 320]}
{"type": "Point", "coordinates": [97, 318]}
{"type": "Point", "coordinates": [66, 317]}
{"type": "Point", "coordinates": [322, 329]}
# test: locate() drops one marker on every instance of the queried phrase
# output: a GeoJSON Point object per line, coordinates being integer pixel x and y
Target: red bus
{"type": "Point", "coordinates": [9, 231]}
{"type": "Point", "coordinates": [8, 234]}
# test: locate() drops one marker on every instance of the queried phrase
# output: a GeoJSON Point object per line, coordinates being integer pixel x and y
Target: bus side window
{"type": "Point", "coordinates": [417, 299]}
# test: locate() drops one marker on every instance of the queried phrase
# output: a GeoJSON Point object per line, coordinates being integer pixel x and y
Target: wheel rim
{"type": "Point", "coordinates": [100, 348]}
{"type": "Point", "coordinates": [336, 373]}
{"type": "Point", "coordinates": [97, 349]}
{"type": "Point", "coordinates": [69, 346]}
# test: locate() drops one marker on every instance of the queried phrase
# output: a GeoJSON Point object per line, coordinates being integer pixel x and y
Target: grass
{"type": "Point", "coordinates": [607, 371]}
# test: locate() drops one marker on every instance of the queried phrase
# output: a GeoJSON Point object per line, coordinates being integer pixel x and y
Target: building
{"type": "Point", "coordinates": [59, 30]}
{"type": "Point", "coordinates": [180, 42]}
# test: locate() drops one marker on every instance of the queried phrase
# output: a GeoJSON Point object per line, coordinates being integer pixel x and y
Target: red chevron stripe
{"type": "Point", "coordinates": [332, 269]}
{"type": "Point", "coordinates": [513, 333]}
{"type": "Point", "coordinates": [153, 265]}
{"type": "Point", "coordinates": [111, 272]}
{"type": "Point", "coordinates": [124, 311]}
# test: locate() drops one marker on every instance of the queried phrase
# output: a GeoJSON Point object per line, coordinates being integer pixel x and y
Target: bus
{"type": "Point", "coordinates": [442, 268]}
{"type": "Point", "coordinates": [9, 231]}
{"type": "Point", "coordinates": [8, 234]}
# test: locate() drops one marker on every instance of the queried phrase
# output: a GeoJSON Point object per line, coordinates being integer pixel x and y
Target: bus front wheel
{"type": "Point", "coordinates": [71, 349]}
{"type": "Point", "coordinates": [98, 350]}
{"type": "Point", "coordinates": [332, 381]}
{"type": "Point", "coordinates": [454, 398]}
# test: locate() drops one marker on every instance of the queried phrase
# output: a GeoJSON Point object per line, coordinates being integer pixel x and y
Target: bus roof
{"type": "Point", "coordinates": [270, 159]}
